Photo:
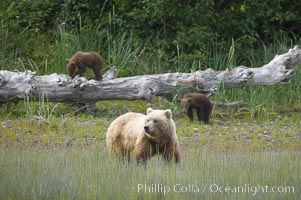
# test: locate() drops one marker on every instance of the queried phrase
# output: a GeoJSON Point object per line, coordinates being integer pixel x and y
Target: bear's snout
{"type": "Point", "coordinates": [147, 129]}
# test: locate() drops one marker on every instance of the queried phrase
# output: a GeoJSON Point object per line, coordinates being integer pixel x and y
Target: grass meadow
{"type": "Point", "coordinates": [64, 157]}
{"type": "Point", "coordinates": [91, 173]}
{"type": "Point", "coordinates": [47, 151]}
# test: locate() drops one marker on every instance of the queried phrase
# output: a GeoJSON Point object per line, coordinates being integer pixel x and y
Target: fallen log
{"type": "Point", "coordinates": [15, 86]}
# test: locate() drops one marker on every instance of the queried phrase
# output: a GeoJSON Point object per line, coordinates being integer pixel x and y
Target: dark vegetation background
{"type": "Point", "coordinates": [174, 31]}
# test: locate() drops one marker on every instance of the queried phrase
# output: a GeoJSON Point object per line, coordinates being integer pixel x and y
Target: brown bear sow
{"type": "Point", "coordinates": [78, 63]}
{"type": "Point", "coordinates": [144, 135]}
{"type": "Point", "coordinates": [197, 101]}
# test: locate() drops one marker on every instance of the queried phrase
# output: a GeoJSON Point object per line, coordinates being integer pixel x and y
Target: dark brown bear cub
{"type": "Point", "coordinates": [197, 101]}
{"type": "Point", "coordinates": [78, 63]}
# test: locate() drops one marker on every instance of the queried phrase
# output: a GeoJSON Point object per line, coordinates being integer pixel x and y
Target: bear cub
{"type": "Point", "coordinates": [200, 102]}
{"type": "Point", "coordinates": [144, 135]}
{"type": "Point", "coordinates": [78, 63]}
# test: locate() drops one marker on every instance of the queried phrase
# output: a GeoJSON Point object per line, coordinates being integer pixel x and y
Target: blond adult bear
{"type": "Point", "coordinates": [144, 135]}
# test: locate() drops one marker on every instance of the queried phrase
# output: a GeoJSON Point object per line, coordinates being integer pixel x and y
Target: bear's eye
{"type": "Point", "coordinates": [148, 120]}
{"type": "Point", "coordinates": [155, 121]}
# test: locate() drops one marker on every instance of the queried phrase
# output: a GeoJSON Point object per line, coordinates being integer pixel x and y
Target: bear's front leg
{"type": "Point", "coordinates": [80, 69]}
{"type": "Point", "coordinates": [142, 152]}
{"type": "Point", "coordinates": [190, 114]}
{"type": "Point", "coordinates": [200, 114]}
{"type": "Point", "coordinates": [177, 156]}
{"type": "Point", "coordinates": [171, 151]}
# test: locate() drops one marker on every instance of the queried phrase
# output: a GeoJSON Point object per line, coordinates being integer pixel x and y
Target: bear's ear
{"type": "Point", "coordinates": [189, 100]}
{"type": "Point", "coordinates": [149, 110]}
{"type": "Point", "coordinates": [168, 113]}
{"type": "Point", "coordinates": [67, 60]}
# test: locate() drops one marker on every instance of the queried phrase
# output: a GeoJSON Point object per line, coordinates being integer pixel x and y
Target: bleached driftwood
{"type": "Point", "coordinates": [231, 104]}
{"type": "Point", "coordinates": [15, 86]}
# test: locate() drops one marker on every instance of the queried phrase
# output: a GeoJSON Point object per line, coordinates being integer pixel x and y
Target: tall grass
{"type": "Point", "coordinates": [92, 174]}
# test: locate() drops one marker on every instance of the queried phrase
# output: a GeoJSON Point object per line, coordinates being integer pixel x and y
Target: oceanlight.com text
{"type": "Point", "coordinates": [212, 188]}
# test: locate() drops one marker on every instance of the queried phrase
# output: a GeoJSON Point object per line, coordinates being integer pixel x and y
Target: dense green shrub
{"type": "Point", "coordinates": [176, 32]}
